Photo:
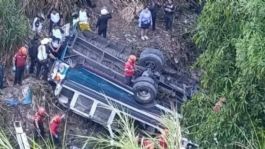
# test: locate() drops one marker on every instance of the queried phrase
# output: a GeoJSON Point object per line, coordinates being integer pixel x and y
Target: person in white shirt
{"type": "Point", "coordinates": [83, 20]}
{"type": "Point", "coordinates": [57, 32]}
{"type": "Point", "coordinates": [55, 19]}
{"type": "Point", "coordinates": [55, 46]}
{"type": "Point", "coordinates": [145, 21]}
{"type": "Point", "coordinates": [38, 23]}
{"type": "Point", "coordinates": [42, 57]}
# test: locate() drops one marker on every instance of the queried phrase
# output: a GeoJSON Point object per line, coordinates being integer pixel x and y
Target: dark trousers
{"type": "Point", "coordinates": [40, 132]}
{"type": "Point", "coordinates": [128, 80]}
{"type": "Point", "coordinates": [154, 22]}
{"type": "Point", "coordinates": [56, 141]}
{"type": "Point", "coordinates": [33, 63]}
{"type": "Point", "coordinates": [168, 21]}
{"type": "Point", "coordinates": [40, 66]}
{"type": "Point", "coordinates": [102, 32]}
{"type": "Point", "coordinates": [19, 75]}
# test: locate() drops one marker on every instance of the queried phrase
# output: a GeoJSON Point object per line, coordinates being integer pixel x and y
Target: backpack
{"type": "Point", "coordinates": [21, 60]}
{"type": "Point", "coordinates": [42, 53]}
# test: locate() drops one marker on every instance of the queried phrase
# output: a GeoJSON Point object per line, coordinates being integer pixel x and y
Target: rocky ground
{"type": "Point", "coordinates": [123, 28]}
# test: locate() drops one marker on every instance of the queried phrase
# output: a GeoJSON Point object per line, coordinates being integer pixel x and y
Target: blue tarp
{"type": "Point", "coordinates": [27, 99]}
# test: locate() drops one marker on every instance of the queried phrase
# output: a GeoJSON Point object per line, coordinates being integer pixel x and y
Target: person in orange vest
{"type": "Point", "coordinates": [19, 64]}
{"type": "Point", "coordinates": [129, 69]}
{"type": "Point", "coordinates": [147, 144]}
{"type": "Point", "coordinates": [54, 126]}
{"type": "Point", "coordinates": [163, 139]}
{"type": "Point", "coordinates": [38, 122]}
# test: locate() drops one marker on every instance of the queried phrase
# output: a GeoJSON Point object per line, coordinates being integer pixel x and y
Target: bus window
{"type": "Point", "coordinates": [83, 104]}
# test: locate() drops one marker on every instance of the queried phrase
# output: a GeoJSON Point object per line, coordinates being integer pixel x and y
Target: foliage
{"type": "Point", "coordinates": [32, 7]}
{"type": "Point", "coordinates": [127, 137]}
{"type": "Point", "coordinates": [13, 26]}
{"type": "Point", "coordinates": [4, 141]}
{"type": "Point", "coordinates": [231, 33]}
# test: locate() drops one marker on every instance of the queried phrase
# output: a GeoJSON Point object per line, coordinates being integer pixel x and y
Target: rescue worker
{"type": "Point", "coordinates": [153, 7]}
{"type": "Point", "coordinates": [83, 20]}
{"type": "Point", "coordinates": [55, 19]}
{"type": "Point", "coordinates": [145, 21]}
{"type": "Point", "coordinates": [38, 122]}
{"type": "Point", "coordinates": [33, 52]}
{"type": "Point", "coordinates": [147, 143]}
{"type": "Point", "coordinates": [43, 55]}
{"type": "Point", "coordinates": [102, 22]}
{"type": "Point", "coordinates": [129, 69]}
{"type": "Point", "coordinates": [54, 126]}
{"type": "Point", "coordinates": [169, 14]}
{"type": "Point", "coordinates": [19, 62]}
{"type": "Point", "coordinates": [163, 139]}
{"type": "Point", "coordinates": [38, 23]}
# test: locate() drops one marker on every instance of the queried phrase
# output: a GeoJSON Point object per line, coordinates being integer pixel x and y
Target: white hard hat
{"type": "Point", "coordinates": [45, 40]}
{"type": "Point", "coordinates": [104, 11]}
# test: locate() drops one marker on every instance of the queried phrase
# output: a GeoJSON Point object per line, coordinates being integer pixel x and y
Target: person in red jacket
{"type": "Point", "coordinates": [147, 143]}
{"type": "Point", "coordinates": [129, 69]}
{"type": "Point", "coordinates": [163, 139]}
{"type": "Point", "coordinates": [19, 62]}
{"type": "Point", "coordinates": [54, 126]}
{"type": "Point", "coordinates": [38, 122]}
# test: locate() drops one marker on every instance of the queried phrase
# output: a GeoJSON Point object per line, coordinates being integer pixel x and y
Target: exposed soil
{"type": "Point", "coordinates": [177, 45]}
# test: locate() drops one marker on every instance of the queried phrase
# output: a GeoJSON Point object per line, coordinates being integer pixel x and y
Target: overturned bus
{"type": "Point", "coordinates": [89, 81]}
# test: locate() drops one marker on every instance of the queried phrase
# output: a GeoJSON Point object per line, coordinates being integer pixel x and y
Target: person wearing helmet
{"type": "Point", "coordinates": [19, 62]}
{"type": "Point", "coordinates": [38, 122]}
{"type": "Point", "coordinates": [102, 23]}
{"type": "Point", "coordinates": [54, 126]}
{"type": "Point", "coordinates": [129, 69]}
{"type": "Point", "coordinates": [163, 144]}
{"type": "Point", "coordinates": [38, 23]}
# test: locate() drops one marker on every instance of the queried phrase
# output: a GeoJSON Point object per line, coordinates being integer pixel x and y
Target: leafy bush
{"type": "Point", "coordinates": [13, 26]}
{"type": "Point", "coordinates": [231, 35]}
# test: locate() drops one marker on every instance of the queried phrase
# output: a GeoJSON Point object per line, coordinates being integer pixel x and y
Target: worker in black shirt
{"type": "Point", "coordinates": [33, 52]}
{"type": "Point", "coordinates": [102, 23]}
{"type": "Point", "coordinates": [169, 14]}
{"type": "Point", "coordinates": [153, 7]}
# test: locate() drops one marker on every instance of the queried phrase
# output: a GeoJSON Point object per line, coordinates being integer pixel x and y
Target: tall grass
{"type": "Point", "coordinates": [13, 27]}
{"type": "Point", "coordinates": [127, 137]}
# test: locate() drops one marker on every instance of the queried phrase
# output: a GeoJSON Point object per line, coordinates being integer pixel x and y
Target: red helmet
{"type": "Point", "coordinates": [41, 111]}
{"type": "Point", "coordinates": [132, 58]}
{"type": "Point", "coordinates": [23, 50]}
{"type": "Point", "coordinates": [57, 119]}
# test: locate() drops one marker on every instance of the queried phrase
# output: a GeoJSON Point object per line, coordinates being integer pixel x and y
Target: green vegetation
{"type": "Point", "coordinates": [13, 26]}
{"type": "Point", "coordinates": [128, 138]}
{"type": "Point", "coordinates": [232, 36]}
